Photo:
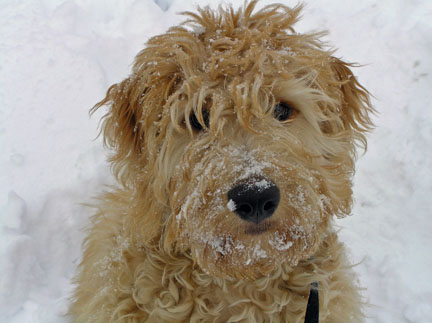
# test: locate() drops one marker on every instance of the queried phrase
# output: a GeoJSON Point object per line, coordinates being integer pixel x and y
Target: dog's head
{"type": "Point", "coordinates": [237, 139]}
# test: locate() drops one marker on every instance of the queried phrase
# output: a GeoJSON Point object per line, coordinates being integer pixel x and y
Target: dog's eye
{"type": "Point", "coordinates": [195, 122]}
{"type": "Point", "coordinates": [284, 111]}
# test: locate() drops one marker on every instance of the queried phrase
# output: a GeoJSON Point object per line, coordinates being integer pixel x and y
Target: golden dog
{"type": "Point", "coordinates": [234, 141]}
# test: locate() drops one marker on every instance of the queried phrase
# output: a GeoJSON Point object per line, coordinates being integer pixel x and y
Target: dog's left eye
{"type": "Point", "coordinates": [194, 122]}
{"type": "Point", "coordinates": [284, 111]}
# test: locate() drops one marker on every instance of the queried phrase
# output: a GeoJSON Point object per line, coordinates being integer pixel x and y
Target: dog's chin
{"type": "Point", "coordinates": [251, 254]}
{"type": "Point", "coordinates": [230, 270]}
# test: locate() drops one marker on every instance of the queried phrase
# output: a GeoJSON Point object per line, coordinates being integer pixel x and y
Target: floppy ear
{"type": "Point", "coordinates": [356, 106]}
{"type": "Point", "coordinates": [121, 128]}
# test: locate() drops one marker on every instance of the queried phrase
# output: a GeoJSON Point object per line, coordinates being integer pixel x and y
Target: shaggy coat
{"type": "Point", "coordinates": [200, 113]}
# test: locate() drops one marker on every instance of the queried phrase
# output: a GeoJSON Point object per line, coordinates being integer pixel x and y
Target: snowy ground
{"type": "Point", "coordinates": [57, 58]}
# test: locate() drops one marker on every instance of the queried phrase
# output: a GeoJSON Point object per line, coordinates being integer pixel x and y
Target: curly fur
{"type": "Point", "coordinates": [164, 246]}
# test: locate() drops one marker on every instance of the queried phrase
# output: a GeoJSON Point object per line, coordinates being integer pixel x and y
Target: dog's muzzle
{"type": "Point", "coordinates": [254, 200]}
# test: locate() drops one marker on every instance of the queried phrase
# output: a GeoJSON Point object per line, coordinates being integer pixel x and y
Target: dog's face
{"type": "Point", "coordinates": [238, 137]}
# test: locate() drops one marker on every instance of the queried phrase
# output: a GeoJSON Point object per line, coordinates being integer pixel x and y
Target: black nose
{"type": "Point", "coordinates": [255, 200]}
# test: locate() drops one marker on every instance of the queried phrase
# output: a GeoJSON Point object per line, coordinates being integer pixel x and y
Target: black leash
{"type": "Point", "coordinates": [312, 309]}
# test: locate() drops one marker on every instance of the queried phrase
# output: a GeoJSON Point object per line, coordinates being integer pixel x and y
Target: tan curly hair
{"type": "Point", "coordinates": [195, 117]}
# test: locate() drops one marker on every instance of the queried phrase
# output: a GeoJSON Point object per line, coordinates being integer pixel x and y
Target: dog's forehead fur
{"type": "Point", "coordinates": [231, 44]}
{"type": "Point", "coordinates": [232, 52]}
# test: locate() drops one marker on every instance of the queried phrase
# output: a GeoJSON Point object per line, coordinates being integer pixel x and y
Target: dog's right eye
{"type": "Point", "coordinates": [194, 122]}
{"type": "Point", "coordinates": [284, 112]}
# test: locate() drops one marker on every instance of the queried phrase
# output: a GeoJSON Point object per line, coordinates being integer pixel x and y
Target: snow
{"type": "Point", "coordinates": [57, 58]}
{"type": "Point", "coordinates": [231, 205]}
{"type": "Point", "coordinates": [280, 242]}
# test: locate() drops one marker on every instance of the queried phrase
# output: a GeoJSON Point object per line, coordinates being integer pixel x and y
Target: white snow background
{"type": "Point", "coordinates": [57, 58]}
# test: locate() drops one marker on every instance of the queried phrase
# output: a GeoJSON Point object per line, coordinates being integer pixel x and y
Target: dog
{"type": "Point", "coordinates": [233, 142]}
